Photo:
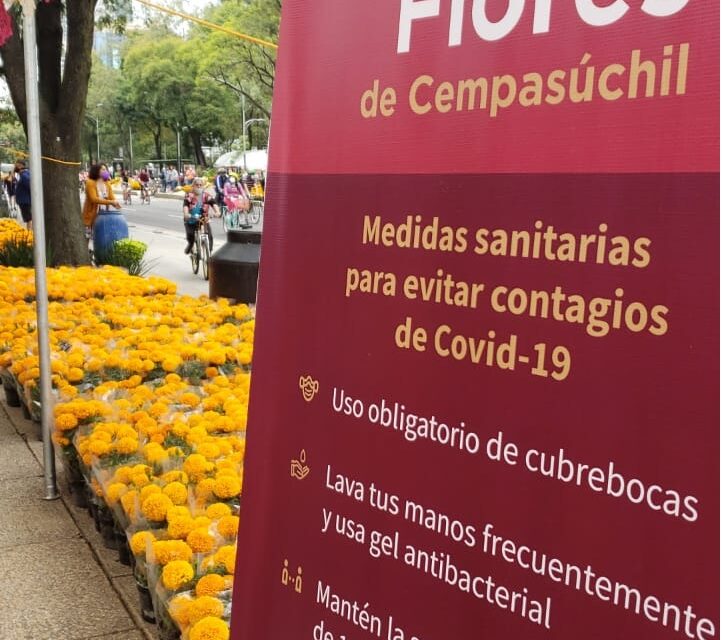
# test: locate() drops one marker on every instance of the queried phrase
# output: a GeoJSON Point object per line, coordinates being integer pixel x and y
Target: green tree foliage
{"type": "Point", "coordinates": [64, 44]}
{"type": "Point", "coordinates": [12, 136]}
{"type": "Point", "coordinates": [163, 88]}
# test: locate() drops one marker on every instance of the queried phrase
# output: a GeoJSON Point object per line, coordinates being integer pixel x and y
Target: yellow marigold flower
{"type": "Point", "coordinates": [176, 573]}
{"type": "Point", "coordinates": [204, 489]}
{"type": "Point", "coordinates": [172, 378]}
{"type": "Point", "coordinates": [99, 447]}
{"type": "Point", "coordinates": [166, 550]}
{"type": "Point", "coordinates": [149, 490]}
{"type": "Point", "coordinates": [126, 431]}
{"type": "Point", "coordinates": [197, 435]}
{"type": "Point", "coordinates": [177, 492]}
{"type": "Point", "coordinates": [196, 466]}
{"type": "Point", "coordinates": [75, 374]}
{"type": "Point", "coordinates": [139, 542]}
{"type": "Point", "coordinates": [129, 501]}
{"type": "Point", "coordinates": [66, 422]}
{"type": "Point", "coordinates": [218, 510]}
{"type": "Point", "coordinates": [216, 357]}
{"type": "Point", "coordinates": [178, 512]}
{"type": "Point", "coordinates": [200, 541]}
{"type": "Point", "coordinates": [140, 479]}
{"type": "Point", "coordinates": [126, 445]}
{"type": "Point", "coordinates": [227, 487]}
{"type": "Point", "coordinates": [202, 521]}
{"type": "Point", "coordinates": [154, 453]}
{"type": "Point", "coordinates": [102, 435]}
{"type": "Point", "coordinates": [209, 449]}
{"type": "Point", "coordinates": [158, 409]}
{"type": "Point", "coordinates": [174, 476]}
{"type": "Point", "coordinates": [205, 606]}
{"type": "Point", "coordinates": [123, 474]}
{"type": "Point", "coordinates": [93, 365]}
{"type": "Point", "coordinates": [210, 585]}
{"type": "Point", "coordinates": [228, 527]}
{"type": "Point", "coordinates": [226, 557]}
{"type": "Point", "coordinates": [171, 363]}
{"type": "Point", "coordinates": [180, 527]}
{"type": "Point", "coordinates": [210, 628]}
{"type": "Point", "coordinates": [115, 491]}
{"type": "Point", "coordinates": [180, 609]}
{"type": "Point", "coordinates": [155, 507]}
{"type": "Point", "coordinates": [211, 372]}
{"type": "Point", "coordinates": [75, 359]}
{"type": "Point", "coordinates": [190, 399]}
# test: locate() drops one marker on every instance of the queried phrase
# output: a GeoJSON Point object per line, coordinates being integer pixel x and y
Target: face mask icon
{"type": "Point", "coordinates": [309, 387]}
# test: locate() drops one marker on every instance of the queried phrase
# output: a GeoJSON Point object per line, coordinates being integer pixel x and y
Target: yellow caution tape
{"type": "Point", "coordinates": [210, 25]}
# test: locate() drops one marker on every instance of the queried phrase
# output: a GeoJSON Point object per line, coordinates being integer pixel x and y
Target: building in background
{"type": "Point", "coordinates": [108, 47]}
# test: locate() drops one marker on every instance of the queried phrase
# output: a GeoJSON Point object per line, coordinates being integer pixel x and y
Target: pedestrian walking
{"type": "Point", "coordinates": [22, 192]}
{"type": "Point", "coordinates": [9, 183]}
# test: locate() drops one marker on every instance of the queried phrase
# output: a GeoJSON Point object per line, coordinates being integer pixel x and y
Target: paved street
{"type": "Point", "coordinates": [160, 226]}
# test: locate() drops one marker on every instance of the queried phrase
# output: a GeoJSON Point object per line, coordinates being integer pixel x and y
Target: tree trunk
{"type": "Point", "coordinates": [62, 107]}
{"type": "Point", "coordinates": [64, 229]}
{"type": "Point", "coordinates": [198, 148]}
{"type": "Point", "coordinates": [157, 139]}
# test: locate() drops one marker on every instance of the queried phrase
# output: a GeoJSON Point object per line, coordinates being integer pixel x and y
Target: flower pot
{"type": "Point", "coordinates": [166, 627]}
{"type": "Point", "coordinates": [78, 493]}
{"type": "Point", "coordinates": [11, 394]}
{"type": "Point", "coordinates": [107, 529]}
{"type": "Point", "coordinates": [146, 603]}
{"type": "Point", "coordinates": [123, 547]}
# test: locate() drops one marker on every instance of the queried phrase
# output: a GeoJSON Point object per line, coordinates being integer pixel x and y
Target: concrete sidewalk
{"type": "Point", "coordinates": [58, 580]}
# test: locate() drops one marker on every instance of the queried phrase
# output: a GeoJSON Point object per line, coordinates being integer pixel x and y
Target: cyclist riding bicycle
{"type": "Point", "coordinates": [219, 183]}
{"type": "Point", "coordinates": [125, 186]}
{"type": "Point", "coordinates": [144, 179]}
{"type": "Point", "coordinates": [236, 196]}
{"type": "Point", "coordinates": [197, 206]}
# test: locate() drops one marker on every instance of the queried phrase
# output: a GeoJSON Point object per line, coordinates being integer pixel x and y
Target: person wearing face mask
{"type": "Point", "coordinates": [197, 205]}
{"type": "Point", "coordinates": [236, 196]}
{"type": "Point", "coordinates": [98, 192]}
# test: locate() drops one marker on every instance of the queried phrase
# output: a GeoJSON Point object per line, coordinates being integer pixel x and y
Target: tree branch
{"type": "Point", "coordinates": [78, 60]}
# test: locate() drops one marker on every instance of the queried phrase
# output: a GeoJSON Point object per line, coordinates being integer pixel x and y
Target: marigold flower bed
{"type": "Point", "coordinates": [151, 395]}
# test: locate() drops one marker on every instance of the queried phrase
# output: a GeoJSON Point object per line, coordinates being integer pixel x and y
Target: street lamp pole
{"type": "Point", "coordinates": [130, 134]}
{"type": "Point", "coordinates": [41, 287]}
{"type": "Point", "coordinates": [243, 133]}
{"type": "Point", "coordinates": [246, 124]}
{"type": "Point", "coordinates": [177, 132]}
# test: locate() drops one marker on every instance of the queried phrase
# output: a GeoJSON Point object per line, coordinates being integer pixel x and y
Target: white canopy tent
{"type": "Point", "coordinates": [256, 160]}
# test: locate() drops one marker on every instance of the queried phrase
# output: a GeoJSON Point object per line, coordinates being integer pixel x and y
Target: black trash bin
{"type": "Point", "coordinates": [234, 267]}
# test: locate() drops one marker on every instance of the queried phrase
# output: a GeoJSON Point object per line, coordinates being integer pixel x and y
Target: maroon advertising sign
{"type": "Point", "coordinates": [485, 399]}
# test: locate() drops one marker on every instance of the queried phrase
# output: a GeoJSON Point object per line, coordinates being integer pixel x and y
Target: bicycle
{"type": "Point", "coordinates": [228, 218]}
{"type": "Point", "coordinates": [201, 250]}
{"type": "Point", "coordinates": [254, 215]}
{"type": "Point", "coordinates": [144, 194]}
{"type": "Point", "coordinates": [127, 194]}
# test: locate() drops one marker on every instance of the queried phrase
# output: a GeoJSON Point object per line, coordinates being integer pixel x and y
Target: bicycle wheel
{"type": "Point", "coordinates": [254, 215]}
{"type": "Point", "coordinates": [196, 254]}
{"type": "Point", "coordinates": [205, 256]}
